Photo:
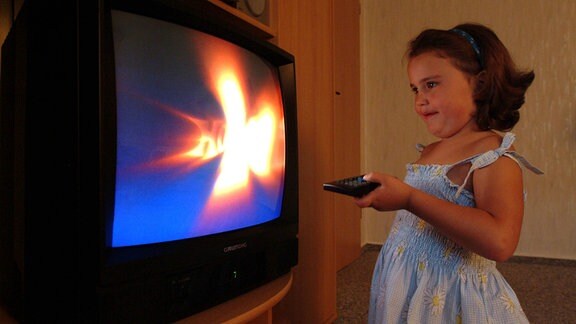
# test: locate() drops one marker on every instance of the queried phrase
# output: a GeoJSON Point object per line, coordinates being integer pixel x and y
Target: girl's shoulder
{"type": "Point", "coordinates": [451, 151]}
{"type": "Point", "coordinates": [487, 142]}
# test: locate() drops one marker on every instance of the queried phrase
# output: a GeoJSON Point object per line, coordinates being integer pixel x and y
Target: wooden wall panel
{"type": "Point", "coordinates": [346, 126]}
{"type": "Point", "coordinates": [305, 29]}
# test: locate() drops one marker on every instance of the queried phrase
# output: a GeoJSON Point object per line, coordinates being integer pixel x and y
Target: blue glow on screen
{"type": "Point", "coordinates": [200, 134]}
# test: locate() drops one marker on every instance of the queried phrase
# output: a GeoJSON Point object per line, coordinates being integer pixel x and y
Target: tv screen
{"type": "Point", "coordinates": [200, 134]}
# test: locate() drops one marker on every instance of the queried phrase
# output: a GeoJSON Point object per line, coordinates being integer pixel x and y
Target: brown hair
{"type": "Point", "coordinates": [501, 88]}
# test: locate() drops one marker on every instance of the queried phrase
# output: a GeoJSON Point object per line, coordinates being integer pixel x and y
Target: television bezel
{"type": "Point", "coordinates": [125, 264]}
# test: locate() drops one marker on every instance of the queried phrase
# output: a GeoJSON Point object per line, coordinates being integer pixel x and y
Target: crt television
{"type": "Point", "coordinates": [148, 161]}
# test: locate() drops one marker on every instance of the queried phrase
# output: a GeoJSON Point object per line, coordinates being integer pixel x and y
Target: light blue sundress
{"type": "Point", "coordinates": [423, 277]}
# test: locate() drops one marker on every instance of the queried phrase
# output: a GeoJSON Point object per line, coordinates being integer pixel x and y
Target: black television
{"type": "Point", "coordinates": [148, 161]}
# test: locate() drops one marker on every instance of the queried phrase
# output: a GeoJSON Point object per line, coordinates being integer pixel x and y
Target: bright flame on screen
{"type": "Point", "coordinates": [247, 144]}
{"type": "Point", "coordinates": [246, 139]}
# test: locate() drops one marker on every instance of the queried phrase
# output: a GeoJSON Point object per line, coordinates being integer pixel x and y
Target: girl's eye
{"type": "Point", "coordinates": [427, 86]}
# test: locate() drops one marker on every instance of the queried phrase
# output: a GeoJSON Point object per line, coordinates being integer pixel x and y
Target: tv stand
{"type": "Point", "coordinates": [252, 307]}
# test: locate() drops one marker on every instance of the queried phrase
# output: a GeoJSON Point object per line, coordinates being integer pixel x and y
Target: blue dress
{"type": "Point", "coordinates": [423, 277]}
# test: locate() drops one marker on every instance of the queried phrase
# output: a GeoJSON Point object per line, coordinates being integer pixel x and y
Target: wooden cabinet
{"type": "Point", "coordinates": [324, 37]}
{"type": "Point", "coordinates": [254, 307]}
{"type": "Point", "coordinates": [347, 155]}
{"type": "Point", "coordinates": [265, 28]}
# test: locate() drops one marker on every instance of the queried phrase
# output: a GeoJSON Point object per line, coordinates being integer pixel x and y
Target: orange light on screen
{"type": "Point", "coordinates": [248, 141]}
{"type": "Point", "coordinates": [253, 127]}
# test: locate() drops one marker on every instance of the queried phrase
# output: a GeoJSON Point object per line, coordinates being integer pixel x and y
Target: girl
{"type": "Point", "coordinates": [461, 205]}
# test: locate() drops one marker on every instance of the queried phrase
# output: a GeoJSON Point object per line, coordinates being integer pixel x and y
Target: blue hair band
{"type": "Point", "coordinates": [472, 42]}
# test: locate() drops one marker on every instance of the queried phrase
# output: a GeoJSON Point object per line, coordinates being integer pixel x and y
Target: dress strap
{"type": "Point", "coordinates": [490, 157]}
{"type": "Point", "coordinates": [420, 147]}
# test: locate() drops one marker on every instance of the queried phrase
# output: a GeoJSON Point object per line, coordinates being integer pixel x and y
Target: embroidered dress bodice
{"type": "Point", "coordinates": [423, 277]}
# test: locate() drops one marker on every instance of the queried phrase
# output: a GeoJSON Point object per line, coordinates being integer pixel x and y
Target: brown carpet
{"type": "Point", "coordinates": [546, 287]}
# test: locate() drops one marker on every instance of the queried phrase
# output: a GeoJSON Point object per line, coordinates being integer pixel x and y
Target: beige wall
{"type": "Point", "coordinates": [541, 35]}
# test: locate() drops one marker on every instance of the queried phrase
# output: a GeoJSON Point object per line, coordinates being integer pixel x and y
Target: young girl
{"type": "Point", "coordinates": [461, 204]}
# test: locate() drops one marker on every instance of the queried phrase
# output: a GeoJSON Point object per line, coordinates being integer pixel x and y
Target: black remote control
{"type": "Point", "coordinates": [353, 186]}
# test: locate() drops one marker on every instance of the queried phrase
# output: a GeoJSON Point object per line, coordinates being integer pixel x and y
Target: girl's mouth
{"type": "Point", "coordinates": [428, 115]}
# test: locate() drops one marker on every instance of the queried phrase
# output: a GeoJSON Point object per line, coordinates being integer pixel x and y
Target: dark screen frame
{"type": "Point", "coordinates": [139, 261]}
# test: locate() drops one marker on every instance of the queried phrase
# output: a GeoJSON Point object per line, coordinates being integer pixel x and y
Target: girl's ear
{"type": "Point", "coordinates": [479, 83]}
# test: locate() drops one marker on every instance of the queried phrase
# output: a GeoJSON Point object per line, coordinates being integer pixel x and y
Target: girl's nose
{"type": "Point", "coordinates": [420, 99]}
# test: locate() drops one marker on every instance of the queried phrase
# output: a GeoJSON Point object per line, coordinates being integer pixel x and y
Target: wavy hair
{"type": "Point", "coordinates": [501, 87]}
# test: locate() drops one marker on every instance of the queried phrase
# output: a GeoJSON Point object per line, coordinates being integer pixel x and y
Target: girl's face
{"type": "Point", "coordinates": [443, 95]}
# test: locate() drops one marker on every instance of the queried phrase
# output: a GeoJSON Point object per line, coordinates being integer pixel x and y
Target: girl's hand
{"type": "Point", "coordinates": [392, 194]}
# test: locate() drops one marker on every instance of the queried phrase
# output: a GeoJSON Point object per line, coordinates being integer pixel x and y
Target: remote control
{"type": "Point", "coordinates": [353, 186]}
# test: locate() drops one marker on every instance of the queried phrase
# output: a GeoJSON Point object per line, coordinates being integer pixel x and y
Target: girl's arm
{"type": "Point", "coordinates": [491, 229]}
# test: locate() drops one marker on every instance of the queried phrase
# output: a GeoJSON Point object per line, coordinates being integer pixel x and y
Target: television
{"type": "Point", "coordinates": [148, 161]}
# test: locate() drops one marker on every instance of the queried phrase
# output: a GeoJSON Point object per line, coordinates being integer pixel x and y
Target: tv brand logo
{"type": "Point", "coordinates": [235, 247]}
